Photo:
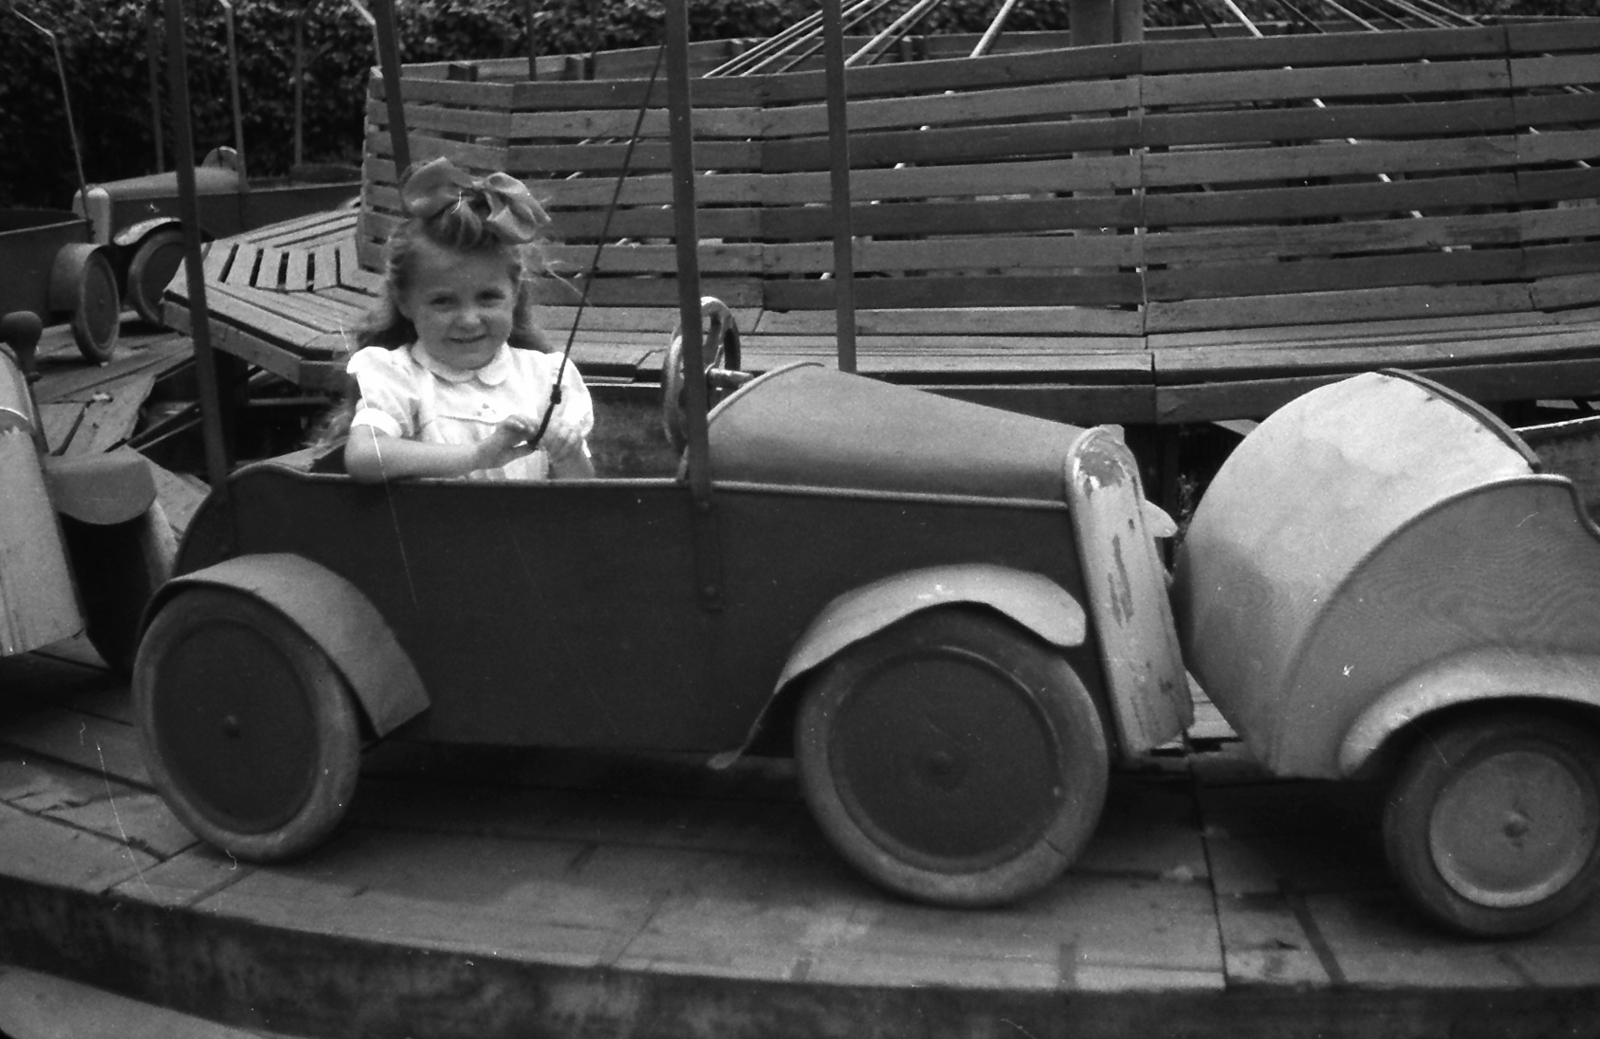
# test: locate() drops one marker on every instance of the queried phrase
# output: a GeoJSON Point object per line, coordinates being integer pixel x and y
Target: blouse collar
{"type": "Point", "coordinates": [492, 374]}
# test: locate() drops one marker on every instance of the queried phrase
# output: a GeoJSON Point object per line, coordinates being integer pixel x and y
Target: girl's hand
{"type": "Point", "coordinates": [569, 452]}
{"type": "Point", "coordinates": [506, 444]}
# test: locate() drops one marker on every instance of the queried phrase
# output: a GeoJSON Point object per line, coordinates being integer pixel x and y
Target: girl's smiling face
{"type": "Point", "coordinates": [462, 304]}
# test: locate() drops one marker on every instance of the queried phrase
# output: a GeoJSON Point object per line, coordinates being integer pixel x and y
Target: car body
{"type": "Point", "coordinates": [1383, 580]}
{"type": "Point", "coordinates": [83, 539]}
{"type": "Point", "coordinates": [138, 221]}
{"type": "Point", "coordinates": [847, 518]}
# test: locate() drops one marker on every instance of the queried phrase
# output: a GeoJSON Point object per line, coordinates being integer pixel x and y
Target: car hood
{"type": "Point", "coordinates": [812, 426]}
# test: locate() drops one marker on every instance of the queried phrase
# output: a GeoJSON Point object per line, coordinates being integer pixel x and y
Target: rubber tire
{"type": "Point", "coordinates": [97, 312]}
{"type": "Point", "coordinates": [218, 659]}
{"type": "Point", "coordinates": [154, 263]}
{"type": "Point", "coordinates": [720, 349]}
{"type": "Point", "coordinates": [956, 663]}
{"type": "Point", "coordinates": [1447, 755]}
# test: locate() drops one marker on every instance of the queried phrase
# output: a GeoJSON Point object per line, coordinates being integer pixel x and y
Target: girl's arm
{"type": "Point", "coordinates": [371, 456]}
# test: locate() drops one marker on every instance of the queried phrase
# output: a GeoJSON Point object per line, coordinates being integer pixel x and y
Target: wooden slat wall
{"type": "Point", "coordinates": [1126, 190]}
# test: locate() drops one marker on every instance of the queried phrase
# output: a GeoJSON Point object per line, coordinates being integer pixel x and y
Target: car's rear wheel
{"type": "Point", "coordinates": [953, 758]}
{"type": "Point", "coordinates": [249, 731]}
{"type": "Point", "coordinates": [154, 263]}
{"type": "Point", "coordinates": [96, 318]}
{"type": "Point", "coordinates": [1493, 825]}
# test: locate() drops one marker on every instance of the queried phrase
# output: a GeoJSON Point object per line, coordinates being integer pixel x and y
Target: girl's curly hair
{"type": "Point", "coordinates": [462, 229]}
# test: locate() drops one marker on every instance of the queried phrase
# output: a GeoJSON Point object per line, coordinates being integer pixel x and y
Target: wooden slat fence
{"type": "Point", "coordinates": [1176, 229]}
{"type": "Point", "coordinates": [1112, 191]}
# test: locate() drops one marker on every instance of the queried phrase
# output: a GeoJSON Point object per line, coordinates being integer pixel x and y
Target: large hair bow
{"type": "Point", "coordinates": [514, 215]}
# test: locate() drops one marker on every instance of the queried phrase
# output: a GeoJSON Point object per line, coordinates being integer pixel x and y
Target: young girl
{"type": "Point", "coordinates": [454, 378]}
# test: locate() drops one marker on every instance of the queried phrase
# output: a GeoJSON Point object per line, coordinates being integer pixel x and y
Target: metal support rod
{"type": "Point", "coordinates": [389, 63]}
{"type": "Point", "coordinates": [233, 88]}
{"type": "Point", "coordinates": [300, 87]}
{"type": "Point", "coordinates": [680, 122]}
{"type": "Point", "coordinates": [776, 46]}
{"type": "Point", "coordinates": [844, 270]}
{"type": "Point", "coordinates": [1243, 18]}
{"type": "Point", "coordinates": [152, 45]}
{"type": "Point", "coordinates": [66, 104]}
{"type": "Point", "coordinates": [993, 32]}
{"type": "Point", "coordinates": [851, 18]}
{"type": "Point", "coordinates": [205, 362]}
{"type": "Point", "coordinates": [533, 45]}
{"type": "Point", "coordinates": [897, 29]}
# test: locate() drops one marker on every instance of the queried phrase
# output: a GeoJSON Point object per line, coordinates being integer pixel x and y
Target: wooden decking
{"type": "Point", "coordinates": [509, 893]}
{"type": "Point", "coordinates": [286, 297]}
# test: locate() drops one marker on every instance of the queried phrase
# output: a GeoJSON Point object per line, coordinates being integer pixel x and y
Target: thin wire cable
{"type": "Point", "coordinates": [599, 247]}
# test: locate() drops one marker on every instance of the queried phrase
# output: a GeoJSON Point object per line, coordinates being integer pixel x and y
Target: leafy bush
{"type": "Point", "coordinates": [106, 51]}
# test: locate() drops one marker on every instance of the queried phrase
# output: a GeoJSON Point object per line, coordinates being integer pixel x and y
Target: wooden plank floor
{"type": "Point", "coordinates": [515, 893]}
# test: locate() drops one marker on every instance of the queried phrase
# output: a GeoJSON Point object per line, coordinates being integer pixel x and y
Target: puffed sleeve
{"type": "Point", "coordinates": [577, 406]}
{"type": "Point", "coordinates": [388, 392]}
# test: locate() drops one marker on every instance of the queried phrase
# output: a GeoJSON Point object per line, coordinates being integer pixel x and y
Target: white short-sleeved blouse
{"type": "Point", "coordinates": [406, 393]}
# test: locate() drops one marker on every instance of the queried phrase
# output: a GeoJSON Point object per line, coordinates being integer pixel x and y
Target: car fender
{"type": "Point", "coordinates": [334, 614]}
{"type": "Point", "coordinates": [102, 489]}
{"type": "Point", "coordinates": [1475, 676]}
{"type": "Point", "coordinates": [1125, 585]}
{"type": "Point", "coordinates": [1031, 600]}
{"type": "Point", "coordinates": [133, 234]}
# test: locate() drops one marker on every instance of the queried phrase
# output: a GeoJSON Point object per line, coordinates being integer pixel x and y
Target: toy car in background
{"type": "Point", "coordinates": [123, 239]}
{"type": "Point", "coordinates": [1382, 581]}
{"type": "Point", "coordinates": [50, 267]}
{"type": "Point", "coordinates": [83, 540]}
{"type": "Point", "coordinates": [137, 219]}
{"type": "Point", "coordinates": [956, 617]}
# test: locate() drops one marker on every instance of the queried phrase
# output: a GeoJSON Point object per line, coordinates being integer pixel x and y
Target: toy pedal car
{"type": "Point", "coordinates": [956, 614]}
{"type": "Point", "coordinates": [1380, 579]}
{"type": "Point", "coordinates": [83, 540]}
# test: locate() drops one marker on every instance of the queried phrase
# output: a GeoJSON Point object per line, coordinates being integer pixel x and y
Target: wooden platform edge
{"type": "Point", "coordinates": [250, 976]}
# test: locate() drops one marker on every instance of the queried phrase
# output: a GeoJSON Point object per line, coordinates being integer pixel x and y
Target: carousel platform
{"type": "Point", "coordinates": [489, 892]}
{"type": "Point", "coordinates": [483, 893]}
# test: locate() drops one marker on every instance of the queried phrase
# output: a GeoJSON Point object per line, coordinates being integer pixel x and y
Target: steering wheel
{"type": "Point", "coordinates": [720, 349]}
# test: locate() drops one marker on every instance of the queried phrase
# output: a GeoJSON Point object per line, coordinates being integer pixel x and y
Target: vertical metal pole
{"type": "Point", "coordinates": [1092, 21]}
{"type": "Point", "coordinates": [533, 46]}
{"type": "Point", "coordinates": [189, 207]}
{"type": "Point", "coordinates": [66, 104]}
{"type": "Point", "coordinates": [152, 43]}
{"type": "Point", "coordinates": [233, 87]}
{"type": "Point", "coordinates": [1130, 21]}
{"type": "Point", "coordinates": [389, 62]}
{"type": "Point", "coordinates": [300, 87]}
{"type": "Point", "coordinates": [844, 266]}
{"type": "Point", "coordinates": [708, 565]}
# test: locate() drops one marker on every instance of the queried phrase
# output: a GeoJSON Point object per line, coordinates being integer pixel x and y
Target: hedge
{"type": "Point", "coordinates": [105, 45]}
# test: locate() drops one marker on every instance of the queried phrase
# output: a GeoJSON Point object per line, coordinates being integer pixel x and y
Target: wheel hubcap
{"type": "Point", "coordinates": [947, 763]}
{"type": "Point", "coordinates": [1515, 827]}
{"type": "Point", "coordinates": [238, 731]}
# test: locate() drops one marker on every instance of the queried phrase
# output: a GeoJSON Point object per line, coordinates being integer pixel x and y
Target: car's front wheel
{"type": "Point", "coordinates": [154, 264]}
{"type": "Point", "coordinates": [249, 731]}
{"type": "Point", "coordinates": [1493, 825]}
{"type": "Point", "coordinates": [953, 758]}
